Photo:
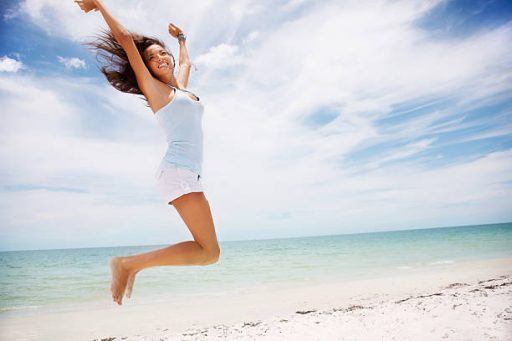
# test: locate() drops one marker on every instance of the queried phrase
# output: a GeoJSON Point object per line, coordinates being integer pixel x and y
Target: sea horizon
{"type": "Point", "coordinates": [58, 279]}
{"type": "Point", "coordinates": [270, 238]}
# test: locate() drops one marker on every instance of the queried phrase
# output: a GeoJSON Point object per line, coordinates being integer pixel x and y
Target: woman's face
{"type": "Point", "coordinates": [158, 60]}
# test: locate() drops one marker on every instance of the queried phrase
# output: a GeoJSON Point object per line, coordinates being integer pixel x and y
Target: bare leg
{"type": "Point", "coordinates": [195, 211]}
{"type": "Point", "coordinates": [124, 269]}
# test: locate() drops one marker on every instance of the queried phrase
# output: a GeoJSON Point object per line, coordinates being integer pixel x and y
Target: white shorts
{"type": "Point", "coordinates": [173, 182]}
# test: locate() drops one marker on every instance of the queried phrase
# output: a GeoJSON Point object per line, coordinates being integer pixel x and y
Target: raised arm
{"type": "Point", "coordinates": [185, 65]}
{"type": "Point", "coordinates": [145, 81]}
{"type": "Point", "coordinates": [184, 62]}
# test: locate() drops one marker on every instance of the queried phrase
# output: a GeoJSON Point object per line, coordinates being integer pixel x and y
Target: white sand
{"type": "Point", "coordinates": [461, 301]}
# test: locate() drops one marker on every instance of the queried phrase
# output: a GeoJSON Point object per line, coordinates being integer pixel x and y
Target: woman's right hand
{"type": "Point", "coordinates": [87, 5]}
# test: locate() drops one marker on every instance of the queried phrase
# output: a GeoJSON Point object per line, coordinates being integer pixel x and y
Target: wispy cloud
{"type": "Point", "coordinates": [220, 56]}
{"type": "Point", "coordinates": [10, 65]}
{"type": "Point", "coordinates": [72, 63]}
{"type": "Point", "coordinates": [321, 117]}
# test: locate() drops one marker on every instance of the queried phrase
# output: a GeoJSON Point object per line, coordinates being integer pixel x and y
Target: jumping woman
{"type": "Point", "coordinates": [142, 65]}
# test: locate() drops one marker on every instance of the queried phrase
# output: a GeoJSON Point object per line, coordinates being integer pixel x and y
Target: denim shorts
{"type": "Point", "coordinates": [174, 181]}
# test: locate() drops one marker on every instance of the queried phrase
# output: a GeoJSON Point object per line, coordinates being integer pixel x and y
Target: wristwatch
{"type": "Point", "coordinates": [181, 37]}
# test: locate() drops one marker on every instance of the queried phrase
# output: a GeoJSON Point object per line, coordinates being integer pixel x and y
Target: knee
{"type": "Point", "coordinates": [212, 255]}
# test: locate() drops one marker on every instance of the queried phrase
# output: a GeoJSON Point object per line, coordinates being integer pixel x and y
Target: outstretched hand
{"type": "Point", "coordinates": [86, 5]}
{"type": "Point", "coordinates": [174, 30]}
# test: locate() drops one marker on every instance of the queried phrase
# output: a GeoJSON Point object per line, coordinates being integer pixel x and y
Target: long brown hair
{"type": "Point", "coordinates": [114, 63]}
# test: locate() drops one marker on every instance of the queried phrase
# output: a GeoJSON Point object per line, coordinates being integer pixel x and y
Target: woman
{"type": "Point", "coordinates": [143, 65]}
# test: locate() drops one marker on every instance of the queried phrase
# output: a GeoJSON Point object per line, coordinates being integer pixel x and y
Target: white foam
{"type": "Point", "coordinates": [447, 261]}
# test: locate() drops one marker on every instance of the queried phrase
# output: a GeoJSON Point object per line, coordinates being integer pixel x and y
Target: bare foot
{"type": "Point", "coordinates": [129, 285]}
{"type": "Point", "coordinates": [119, 279]}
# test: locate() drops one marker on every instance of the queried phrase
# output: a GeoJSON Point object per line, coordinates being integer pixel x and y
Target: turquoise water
{"type": "Point", "coordinates": [32, 280]}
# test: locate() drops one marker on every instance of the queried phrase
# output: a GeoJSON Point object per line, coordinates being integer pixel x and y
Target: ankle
{"type": "Point", "coordinates": [128, 264]}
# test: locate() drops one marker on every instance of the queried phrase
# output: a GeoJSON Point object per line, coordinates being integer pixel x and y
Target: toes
{"type": "Point", "coordinates": [112, 290]}
{"type": "Point", "coordinates": [129, 285]}
{"type": "Point", "coordinates": [118, 285]}
{"type": "Point", "coordinates": [116, 298]}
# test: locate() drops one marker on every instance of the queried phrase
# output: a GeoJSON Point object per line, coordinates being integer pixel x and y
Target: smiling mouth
{"type": "Point", "coordinates": [163, 65]}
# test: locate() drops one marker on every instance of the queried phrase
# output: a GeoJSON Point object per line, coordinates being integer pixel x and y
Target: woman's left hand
{"type": "Point", "coordinates": [87, 5]}
{"type": "Point", "coordinates": [174, 30]}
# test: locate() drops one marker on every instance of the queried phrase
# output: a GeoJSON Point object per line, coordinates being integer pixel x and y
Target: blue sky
{"type": "Point", "coordinates": [322, 117]}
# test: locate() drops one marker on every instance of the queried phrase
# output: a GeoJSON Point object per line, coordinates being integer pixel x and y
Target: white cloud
{"type": "Point", "coordinates": [254, 35]}
{"type": "Point", "coordinates": [245, 8]}
{"type": "Point", "coordinates": [220, 56]}
{"type": "Point", "coordinates": [72, 63]}
{"type": "Point", "coordinates": [10, 65]}
{"type": "Point", "coordinates": [362, 58]}
{"type": "Point", "coordinates": [44, 144]}
{"type": "Point", "coordinates": [265, 73]}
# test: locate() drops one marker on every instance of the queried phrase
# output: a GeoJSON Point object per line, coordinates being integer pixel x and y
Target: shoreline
{"type": "Point", "coordinates": [260, 309]}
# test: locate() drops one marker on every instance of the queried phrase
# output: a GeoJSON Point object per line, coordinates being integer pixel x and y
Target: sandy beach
{"type": "Point", "coordinates": [462, 301]}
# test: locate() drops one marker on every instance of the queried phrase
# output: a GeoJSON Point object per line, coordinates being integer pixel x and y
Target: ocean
{"type": "Point", "coordinates": [56, 280]}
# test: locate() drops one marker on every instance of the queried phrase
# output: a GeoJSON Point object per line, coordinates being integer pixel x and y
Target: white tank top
{"type": "Point", "coordinates": [181, 121]}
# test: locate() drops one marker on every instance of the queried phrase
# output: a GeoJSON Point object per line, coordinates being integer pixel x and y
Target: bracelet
{"type": "Point", "coordinates": [182, 37]}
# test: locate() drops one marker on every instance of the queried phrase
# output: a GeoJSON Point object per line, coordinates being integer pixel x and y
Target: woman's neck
{"type": "Point", "coordinates": [170, 80]}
